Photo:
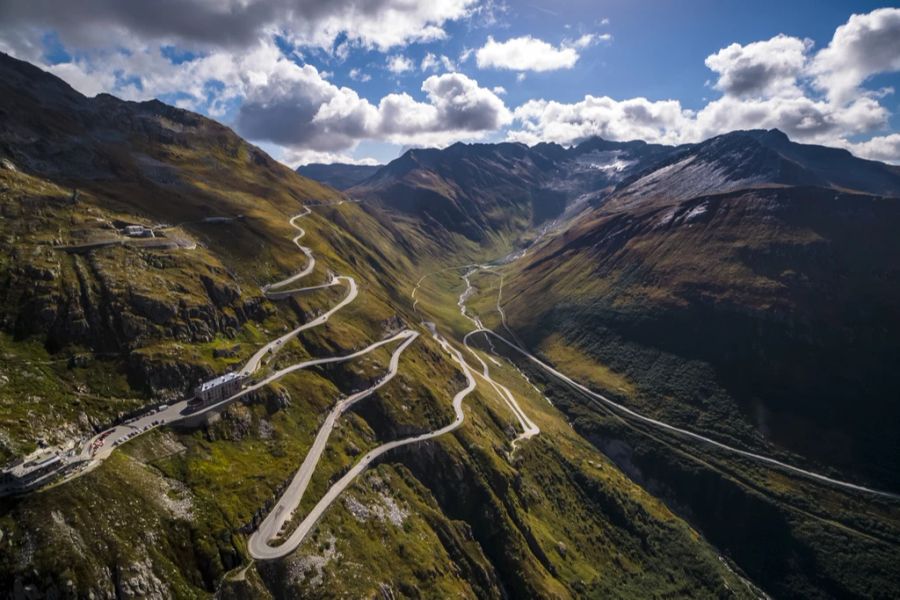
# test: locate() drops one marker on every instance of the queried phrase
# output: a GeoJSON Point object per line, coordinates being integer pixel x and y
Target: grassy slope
{"type": "Point", "coordinates": [588, 519]}
{"type": "Point", "coordinates": [170, 511]}
{"type": "Point", "coordinates": [608, 303]}
{"type": "Point", "coordinates": [230, 469]}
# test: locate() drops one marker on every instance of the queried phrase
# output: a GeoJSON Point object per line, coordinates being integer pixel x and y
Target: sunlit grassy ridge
{"type": "Point", "coordinates": [170, 511]}
{"type": "Point", "coordinates": [230, 470]}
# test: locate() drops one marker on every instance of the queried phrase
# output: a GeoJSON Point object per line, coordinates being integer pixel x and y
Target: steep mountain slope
{"type": "Point", "coordinates": [740, 291]}
{"type": "Point", "coordinates": [788, 294]}
{"type": "Point", "coordinates": [96, 325]}
{"type": "Point", "coordinates": [75, 171]}
{"type": "Point", "coordinates": [749, 232]}
{"type": "Point", "coordinates": [338, 175]}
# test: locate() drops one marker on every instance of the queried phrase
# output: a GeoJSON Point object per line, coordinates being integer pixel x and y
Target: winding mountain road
{"type": "Point", "coordinates": [281, 513]}
{"type": "Point", "coordinates": [259, 544]}
{"type": "Point", "coordinates": [99, 447]}
{"type": "Point", "coordinates": [529, 428]}
{"type": "Point", "coordinates": [272, 347]}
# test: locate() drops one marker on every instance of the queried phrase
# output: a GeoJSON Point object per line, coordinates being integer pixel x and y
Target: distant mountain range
{"type": "Point", "coordinates": [338, 175]}
{"type": "Point", "coordinates": [475, 189]}
{"type": "Point", "coordinates": [485, 191]}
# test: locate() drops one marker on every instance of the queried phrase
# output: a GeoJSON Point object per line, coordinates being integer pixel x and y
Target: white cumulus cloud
{"type": "Point", "coordinates": [433, 62]}
{"type": "Point", "coordinates": [782, 83]}
{"type": "Point", "coordinates": [525, 54]}
{"type": "Point", "coordinates": [296, 108]}
{"type": "Point", "coordinates": [885, 148]}
{"type": "Point", "coordinates": [866, 45]}
{"type": "Point", "coordinates": [399, 64]}
{"type": "Point", "coordinates": [569, 123]}
{"type": "Point", "coordinates": [359, 75]}
{"type": "Point", "coordinates": [762, 68]}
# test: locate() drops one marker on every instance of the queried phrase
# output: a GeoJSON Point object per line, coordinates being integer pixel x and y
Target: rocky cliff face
{"type": "Point", "coordinates": [90, 301]}
{"type": "Point", "coordinates": [111, 303]}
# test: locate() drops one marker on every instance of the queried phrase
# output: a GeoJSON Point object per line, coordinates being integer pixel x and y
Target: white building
{"type": "Point", "coordinates": [220, 388]}
{"type": "Point", "coordinates": [137, 231]}
{"type": "Point", "coordinates": [31, 472]}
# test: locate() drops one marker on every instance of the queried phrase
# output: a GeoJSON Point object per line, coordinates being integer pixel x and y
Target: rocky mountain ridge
{"type": "Point", "coordinates": [482, 190]}
{"type": "Point", "coordinates": [747, 159]}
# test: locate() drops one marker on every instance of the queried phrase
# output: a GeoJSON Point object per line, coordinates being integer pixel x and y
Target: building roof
{"type": "Point", "coordinates": [28, 466]}
{"type": "Point", "coordinates": [222, 379]}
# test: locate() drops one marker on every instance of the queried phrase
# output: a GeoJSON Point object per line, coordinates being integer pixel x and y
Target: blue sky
{"type": "Point", "coordinates": [361, 81]}
{"type": "Point", "coordinates": [657, 51]}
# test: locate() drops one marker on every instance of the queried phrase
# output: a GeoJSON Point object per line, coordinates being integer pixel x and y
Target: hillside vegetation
{"type": "Point", "coordinates": [92, 335]}
{"type": "Point", "coordinates": [735, 292]}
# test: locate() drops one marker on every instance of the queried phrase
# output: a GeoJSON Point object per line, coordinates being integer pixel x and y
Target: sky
{"type": "Point", "coordinates": [363, 80]}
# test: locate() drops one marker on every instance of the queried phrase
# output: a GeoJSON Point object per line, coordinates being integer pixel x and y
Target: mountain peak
{"type": "Point", "coordinates": [753, 158]}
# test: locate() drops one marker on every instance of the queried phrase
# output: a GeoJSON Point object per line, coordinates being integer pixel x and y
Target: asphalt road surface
{"type": "Point", "coordinates": [259, 543]}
